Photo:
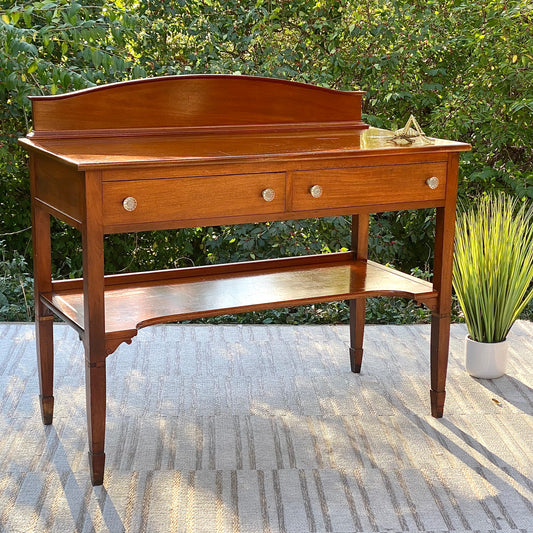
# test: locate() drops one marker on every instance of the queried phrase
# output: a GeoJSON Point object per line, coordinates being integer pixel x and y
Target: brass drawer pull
{"type": "Point", "coordinates": [268, 195]}
{"type": "Point", "coordinates": [316, 191]}
{"type": "Point", "coordinates": [129, 203]}
{"type": "Point", "coordinates": [432, 182]}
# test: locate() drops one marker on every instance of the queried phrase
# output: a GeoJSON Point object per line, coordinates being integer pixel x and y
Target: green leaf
{"type": "Point", "coordinates": [33, 67]}
{"type": "Point", "coordinates": [96, 57]}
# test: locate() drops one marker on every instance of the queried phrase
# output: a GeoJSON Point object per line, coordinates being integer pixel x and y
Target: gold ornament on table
{"type": "Point", "coordinates": [410, 133]}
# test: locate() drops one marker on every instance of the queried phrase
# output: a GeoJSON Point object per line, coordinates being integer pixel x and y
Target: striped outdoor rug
{"type": "Point", "coordinates": [263, 429]}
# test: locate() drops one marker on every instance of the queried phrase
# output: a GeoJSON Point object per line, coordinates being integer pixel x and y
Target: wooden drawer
{"type": "Point", "coordinates": [376, 185]}
{"type": "Point", "coordinates": [192, 198]}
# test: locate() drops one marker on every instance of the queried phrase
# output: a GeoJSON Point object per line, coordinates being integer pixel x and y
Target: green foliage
{"type": "Point", "coordinates": [493, 265]}
{"type": "Point", "coordinates": [16, 287]}
{"type": "Point", "coordinates": [276, 239]}
{"type": "Point", "coordinates": [464, 69]}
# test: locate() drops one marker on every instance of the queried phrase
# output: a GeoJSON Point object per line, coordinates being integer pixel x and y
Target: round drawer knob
{"type": "Point", "coordinates": [316, 191]}
{"type": "Point", "coordinates": [432, 182]}
{"type": "Point", "coordinates": [268, 195]}
{"type": "Point", "coordinates": [129, 203]}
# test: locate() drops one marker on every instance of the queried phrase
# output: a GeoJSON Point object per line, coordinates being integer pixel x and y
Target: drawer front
{"type": "Point", "coordinates": [379, 185]}
{"type": "Point", "coordinates": [156, 200]}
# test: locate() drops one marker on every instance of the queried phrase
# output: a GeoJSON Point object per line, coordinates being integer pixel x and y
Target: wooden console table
{"type": "Point", "coordinates": [189, 151]}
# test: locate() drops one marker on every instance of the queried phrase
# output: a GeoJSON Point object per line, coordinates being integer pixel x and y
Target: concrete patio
{"type": "Point", "coordinates": [264, 429]}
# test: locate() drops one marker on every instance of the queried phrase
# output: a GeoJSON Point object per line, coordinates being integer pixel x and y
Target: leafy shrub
{"type": "Point", "coordinates": [16, 287]}
{"type": "Point", "coordinates": [463, 68]}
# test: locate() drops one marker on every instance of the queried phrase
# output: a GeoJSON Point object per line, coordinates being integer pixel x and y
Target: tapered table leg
{"type": "Point", "coordinates": [442, 283]}
{"type": "Point", "coordinates": [45, 365]}
{"type": "Point", "coordinates": [94, 324]}
{"type": "Point", "coordinates": [440, 340]}
{"type": "Point", "coordinates": [42, 266]}
{"type": "Point", "coordinates": [358, 306]}
{"type": "Point", "coordinates": [95, 380]}
{"type": "Point", "coordinates": [357, 330]}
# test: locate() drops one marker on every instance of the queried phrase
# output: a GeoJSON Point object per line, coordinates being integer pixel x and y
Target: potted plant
{"type": "Point", "coordinates": [492, 275]}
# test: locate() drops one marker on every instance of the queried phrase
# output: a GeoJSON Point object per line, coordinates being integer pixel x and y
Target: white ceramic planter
{"type": "Point", "coordinates": [486, 360]}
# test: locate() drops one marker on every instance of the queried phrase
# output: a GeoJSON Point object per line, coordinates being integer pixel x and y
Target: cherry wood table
{"type": "Point", "coordinates": [189, 151]}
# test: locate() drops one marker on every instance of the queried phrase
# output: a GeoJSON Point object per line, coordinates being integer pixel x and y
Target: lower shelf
{"type": "Point", "coordinates": [136, 300]}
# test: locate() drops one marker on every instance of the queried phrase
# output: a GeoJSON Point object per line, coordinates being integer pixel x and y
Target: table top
{"type": "Point", "coordinates": [176, 149]}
